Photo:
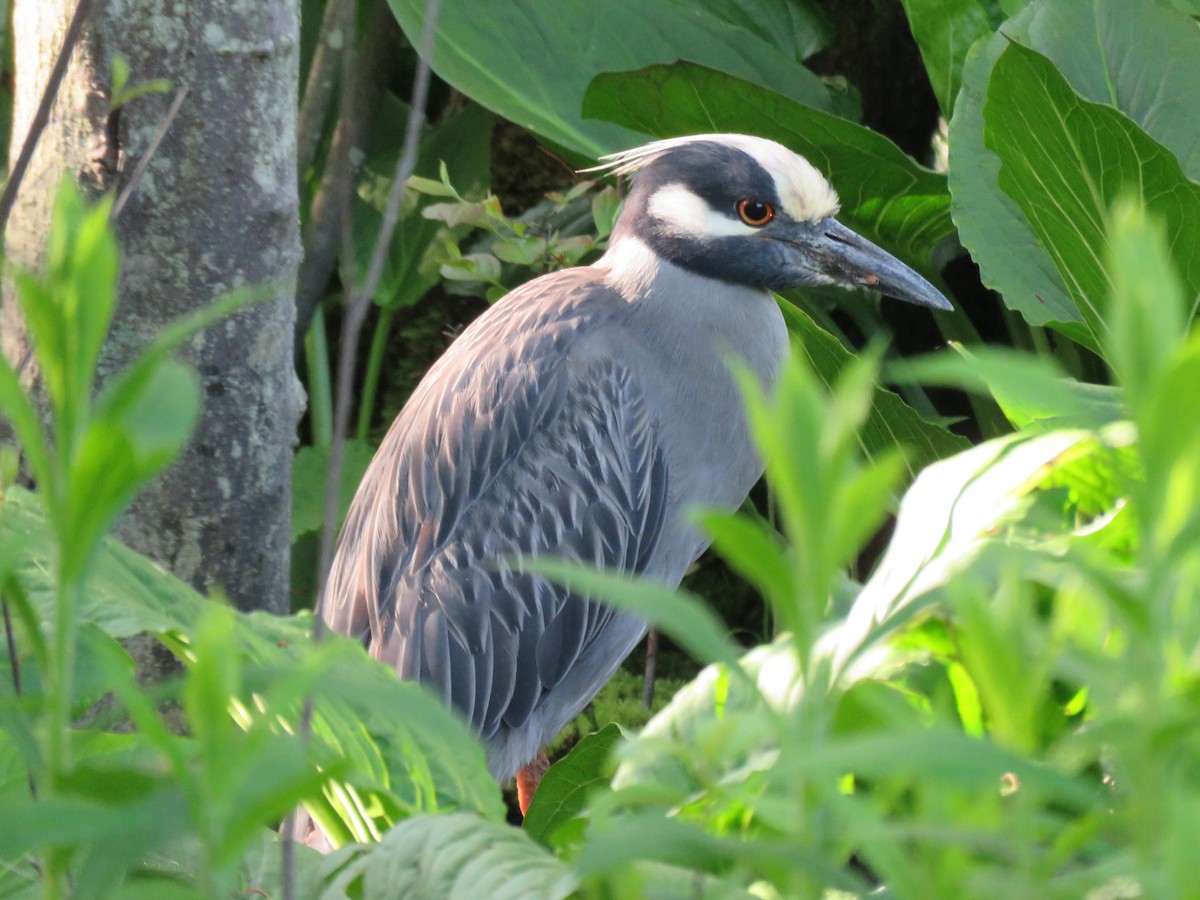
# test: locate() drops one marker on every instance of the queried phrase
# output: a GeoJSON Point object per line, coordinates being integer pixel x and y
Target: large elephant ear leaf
{"type": "Point", "coordinates": [1085, 157]}
{"type": "Point", "coordinates": [1140, 57]}
{"type": "Point", "coordinates": [532, 60]}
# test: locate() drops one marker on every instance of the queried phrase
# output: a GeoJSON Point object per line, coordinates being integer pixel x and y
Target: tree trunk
{"type": "Point", "coordinates": [216, 209]}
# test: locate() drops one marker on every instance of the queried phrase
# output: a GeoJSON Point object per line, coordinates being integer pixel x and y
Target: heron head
{"type": "Point", "coordinates": [747, 210]}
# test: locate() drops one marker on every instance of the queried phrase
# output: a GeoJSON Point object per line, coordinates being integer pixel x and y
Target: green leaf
{"type": "Point", "coordinates": [945, 518]}
{"type": "Point", "coordinates": [137, 430]}
{"type": "Point", "coordinates": [945, 31]}
{"type": "Point", "coordinates": [891, 422]}
{"type": "Point", "coordinates": [1032, 390]}
{"type": "Point", "coordinates": [457, 856]}
{"type": "Point", "coordinates": [1150, 316]}
{"type": "Point", "coordinates": [1140, 56]}
{"type": "Point", "coordinates": [1084, 157]}
{"type": "Point", "coordinates": [120, 74]}
{"type": "Point", "coordinates": [702, 725]}
{"type": "Point", "coordinates": [126, 594]}
{"type": "Point", "coordinates": [309, 468]}
{"type": "Point", "coordinates": [22, 417]}
{"type": "Point", "coordinates": [68, 307]}
{"type": "Point", "coordinates": [886, 196]}
{"type": "Point", "coordinates": [460, 148]}
{"type": "Point", "coordinates": [533, 64]}
{"type": "Point", "coordinates": [755, 550]}
{"type": "Point", "coordinates": [430, 760]}
{"type": "Point", "coordinates": [564, 789]}
{"type": "Point", "coordinates": [684, 618]}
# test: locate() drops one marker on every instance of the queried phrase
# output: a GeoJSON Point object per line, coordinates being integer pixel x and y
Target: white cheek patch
{"type": "Point", "coordinates": [686, 213]}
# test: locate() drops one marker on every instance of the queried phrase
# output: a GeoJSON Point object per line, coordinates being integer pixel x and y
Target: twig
{"type": "Point", "coordinates": [142, 163]}
{"type": "Point", "coordinates": [358, 109]}
{"type": "Point", "coordinates": [651, 664]}
{"type": "Point", "coordinates": [83, 9]}
{"type": "Point", "coordinates": [360, 298]}
{"type": "Point", "coordinates": [318, 89]}
{"type": "Point", "coordinates": [359, 301]}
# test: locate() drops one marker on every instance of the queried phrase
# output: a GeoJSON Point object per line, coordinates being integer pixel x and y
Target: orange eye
{"type": "Point", "coordinates": [755, 212]}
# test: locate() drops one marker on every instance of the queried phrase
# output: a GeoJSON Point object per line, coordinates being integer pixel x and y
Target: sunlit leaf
{"type": "Point", "coordinates": [533, 64]}
{"type": "Point", "coordinates": [456, 856]}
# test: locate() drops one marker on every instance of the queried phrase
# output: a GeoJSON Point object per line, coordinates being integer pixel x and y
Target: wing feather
{"type": "Point", "coordinates": [511, 447]}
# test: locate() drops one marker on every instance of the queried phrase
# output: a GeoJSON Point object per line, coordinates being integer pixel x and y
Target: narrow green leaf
{"type": "Point", "coordinates": [755, 550]}
{"type": "Point", "coordinates": [677, 614]}
{"type": "Point", "coordinates": [892, 422]}
{"type": "Point", "coordinates": [1032, 390]}
{"type": "Point", "coordinates": [1150, 317]}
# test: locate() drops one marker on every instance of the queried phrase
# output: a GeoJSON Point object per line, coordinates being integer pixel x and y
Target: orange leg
{"type": "Point", "coordinates": [528, 779]}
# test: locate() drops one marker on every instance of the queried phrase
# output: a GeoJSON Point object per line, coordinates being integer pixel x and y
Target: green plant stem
{"type": "Point", "coordinates": [58, 720]}
{"type": "Point", "coordinates": [370, 389]}
{"type": "Point", "coordinates": [320, 392]}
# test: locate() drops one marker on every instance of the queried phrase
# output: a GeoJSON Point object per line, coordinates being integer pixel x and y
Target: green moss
{"type": "Point", "coordinates": [619, 701]}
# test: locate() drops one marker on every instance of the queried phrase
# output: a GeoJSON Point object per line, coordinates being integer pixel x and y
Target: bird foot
{"type": "Point", "coordinates": [529, 778]}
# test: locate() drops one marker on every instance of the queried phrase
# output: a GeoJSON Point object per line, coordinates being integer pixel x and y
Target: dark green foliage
{"type": "Point", "coordinates": [1004, 706]}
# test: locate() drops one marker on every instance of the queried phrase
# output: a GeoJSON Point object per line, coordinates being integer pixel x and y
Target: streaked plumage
{"type": "Point", "coordinates": [581, 417]}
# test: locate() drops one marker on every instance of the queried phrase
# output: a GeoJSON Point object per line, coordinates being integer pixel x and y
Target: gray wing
{"type": "Point", "coordinates": [510, 447]}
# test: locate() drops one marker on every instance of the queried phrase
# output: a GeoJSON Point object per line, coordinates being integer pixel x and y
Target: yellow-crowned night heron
{"type": "Point", "coordinates": [581, 417]}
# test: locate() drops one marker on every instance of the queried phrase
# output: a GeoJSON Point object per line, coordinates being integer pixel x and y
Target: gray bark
{"type": "Point", "coordinates": [216, 209]}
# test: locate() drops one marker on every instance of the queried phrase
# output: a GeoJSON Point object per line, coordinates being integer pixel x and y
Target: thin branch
{"type": "Point", "coordinates": [142, 163]}
{"type": "Point", "coordinates": [318, 89]}
{"type": "Point", "coordinates": [361, 93]}
{"type": "Point", "coordinates": [358, 302]}
{"type": "Point", "coordinates": [41, 116]}
{"type": "Point", "coordinates": [651, 664]}
{"type": "Point", "coordinates": [360, 298]}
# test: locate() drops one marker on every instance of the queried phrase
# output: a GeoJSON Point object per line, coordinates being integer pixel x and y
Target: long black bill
{"type": "Point", "coordinates": [847, 258]}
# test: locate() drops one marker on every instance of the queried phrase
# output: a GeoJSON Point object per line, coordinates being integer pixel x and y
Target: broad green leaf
{"type": "Point", "coordinates": [952, 509]}
{"type": "Point", "coordinates": [891, 422]}
{"type": "Point", "coordinates": [309, 468]}
{"type": "Point", "coordinates": [1140, 56]}
{"type": "Point", "coordinates": [533, 63]}
{"type": "Point", "coordinates": [1065, 161]}
{"type": "Point", "coordinates": [462, 144]}
{"type": "Point", "coordinates": [430, 761]}
{"type": "Point", "coordinates": [886, 196]}
{"type": "Point", "coordinates": [63, 822]}
{"type": "Point", "coordinates": [457, 856]}
{"type": "Point", "coordinates": [945, 31]}
{"type": "Point", "coordinates": [127, 593]}
{"type": "Point", "coordinates": [679, 740]}
{"type": "Point", "coordinates": [565, 788]}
